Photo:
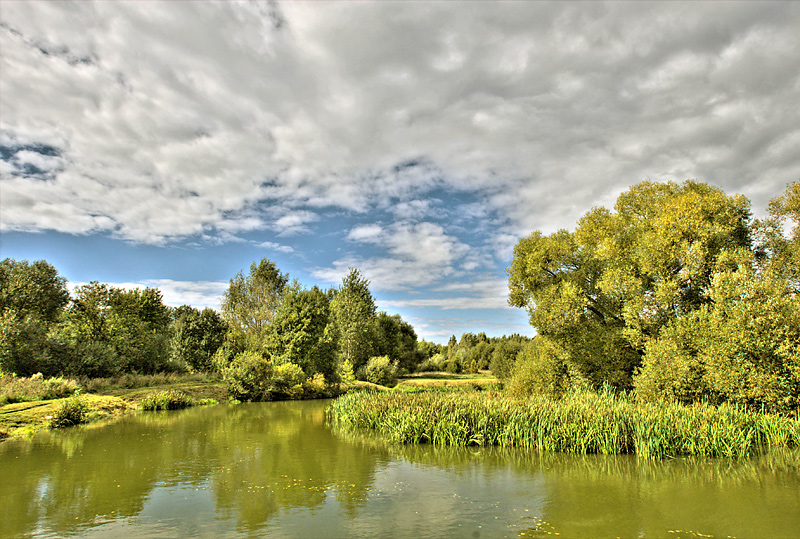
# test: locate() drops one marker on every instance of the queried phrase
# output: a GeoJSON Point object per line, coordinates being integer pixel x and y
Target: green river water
{"type": "Point", "coordinates": [277, 470]}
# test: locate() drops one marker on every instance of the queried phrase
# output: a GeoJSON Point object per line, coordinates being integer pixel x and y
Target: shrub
{"type": "Point", "coordinates": [166, 400]}
{"type": "Point", "coordinates": [287, 380]}
{"type": "Point", "coordinates": [540, 369]}
{"type": "Point", "coordinates": [249, 377]}
{"type": "Point", "coordinates": [73, 411]}
{"type": "Point", "coordinates": [382, 371]}
{"type": "Point", "coordinates": [452, 366]}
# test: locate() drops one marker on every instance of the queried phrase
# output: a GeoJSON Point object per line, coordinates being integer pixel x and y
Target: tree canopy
{"type": "Point", "coordinates": [609, 295]}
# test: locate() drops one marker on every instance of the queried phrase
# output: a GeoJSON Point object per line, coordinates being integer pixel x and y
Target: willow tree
{"type": "Point", "coordinates": [599, 294]}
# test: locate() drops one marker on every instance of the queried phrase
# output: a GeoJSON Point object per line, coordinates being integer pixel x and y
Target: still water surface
{"type": "Point", "coordinates": [277, 470]}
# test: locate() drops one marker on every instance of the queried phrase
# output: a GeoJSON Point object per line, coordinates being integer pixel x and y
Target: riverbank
{"type": "Point", "coordinates": [104, 398]}
{"type": "Point", "coordinates": [582, 422]}
{"type": "Point", "coordinates": [31, 403]}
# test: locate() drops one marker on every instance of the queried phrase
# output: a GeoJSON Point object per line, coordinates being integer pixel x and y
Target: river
{"type": "Point", "coordinates": [277, 470]}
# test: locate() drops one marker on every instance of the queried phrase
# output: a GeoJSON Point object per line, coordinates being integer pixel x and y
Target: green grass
{"type": "Point", "coordinates": [33, 410]}
{"type": "Point", "coordinates": [581, 422]}
{"type": "Point", "coordinates": [166, 400]}
{"type": "Point", "coordinates": [15, 389]}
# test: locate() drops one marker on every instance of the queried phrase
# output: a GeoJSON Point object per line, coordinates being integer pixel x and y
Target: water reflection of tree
{"type": "Point", "coordinates": [258, 460]}
{"type": "Point", "coordinates": [296, 465]}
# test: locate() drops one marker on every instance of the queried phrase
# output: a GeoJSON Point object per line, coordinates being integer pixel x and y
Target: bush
{"type": "Point", "coordinates": [73, 411]}
{"type": "Point", "coordinates": [287, 380]}
{"type": "Point", "coordinates": [382, 371]}
{"type": "Point", "coordinates": [166, 400]}
{"type": "Point", "coordinates": [452, 366]}
{"type": "Point", "coordinates": [503, 357]}
{"type": "Point", "coordinates": [249, 377]}
{"type": "Point", "coordinates": [541, 369]}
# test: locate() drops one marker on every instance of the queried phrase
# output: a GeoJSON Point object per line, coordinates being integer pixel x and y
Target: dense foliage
{"type": "Point", "coordinates": [678, 293]}
{"type": "Point", "coordinates": [272, 338]}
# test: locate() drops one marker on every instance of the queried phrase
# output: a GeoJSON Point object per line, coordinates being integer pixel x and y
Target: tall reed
{"type": "Point", "coordinates": [580, 422]}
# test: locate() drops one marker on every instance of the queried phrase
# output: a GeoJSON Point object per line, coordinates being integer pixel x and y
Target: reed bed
{"type": "Point", "coordinates": [581, 422]}
{"type": "Point", "coordinates": [166, 400]}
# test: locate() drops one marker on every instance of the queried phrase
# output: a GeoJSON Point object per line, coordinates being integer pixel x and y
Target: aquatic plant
{"type": "Point", "coordinates": [580, 422]}
{"type": "Point", "coordinates": [166, 400]}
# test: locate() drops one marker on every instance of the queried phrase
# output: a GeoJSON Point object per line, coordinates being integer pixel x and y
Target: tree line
{"type": "Point", "coordinates": [677, 293]}
{"type": "Point", "coordinates": [270, 336]}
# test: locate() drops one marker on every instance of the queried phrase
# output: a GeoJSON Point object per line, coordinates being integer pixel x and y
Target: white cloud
{"type": "Point", "coordinates": [367, 233]}
{"type": "Point", "coordinates": [272, 246]}
{"type": "Point", "coordinates": [184, 118]}
{"type": "Point", "coordinates": [417, 255]}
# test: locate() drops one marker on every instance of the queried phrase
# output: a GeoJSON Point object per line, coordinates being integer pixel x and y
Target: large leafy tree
{"type": "Point", "coordinates": [354, 315]}
{"type": "Point", "coordinates": [743, 345]}
{"type": "Point", "coordinates": [111, 329]}
{"type": "Point", "coordinates": [600, 293]}
{"type": "Point", "coordinates": [196, 336]}
{"type": "Point", "coordinates": [32, 297]}
{"type": "Point", "coordinates": [301, 332]}
{"type": "Point", "coordinates": [251, 301]}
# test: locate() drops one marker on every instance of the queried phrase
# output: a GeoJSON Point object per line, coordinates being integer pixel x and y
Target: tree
{"type": "Point", "coordinates": [742, 346]}
{"type": "Point", "coordinates": [251, 301]}
{"type": "Point", "coordinates": [35, 290]}
{"type": "Point", "coordinates": [397, 340]}
{"type": "Point", "coordinates": [128, 328]}
{"type": "Point", "coordinates": [354, 316]}
{"type": "Point", "coordinates": [32, 298]}
{"type": "Point", "coordinates": [602, 292]}
{"type": "Point", "coordinates": [196, 336]}
{"type": "Point", "coordinates": [301, 334]}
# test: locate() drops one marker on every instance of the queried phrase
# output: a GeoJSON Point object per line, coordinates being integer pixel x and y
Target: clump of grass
{"type": "Point", "coordinates": [580, 422]}
{"type": "Point", "coordinates": [73, 411]}
{"type": "Point", "coordinates": [34, 388]}
{"type": "Point", "coordinates": [166, 400]}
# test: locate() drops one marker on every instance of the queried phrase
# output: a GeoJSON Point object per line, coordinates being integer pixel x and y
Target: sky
{"type": "Point", "coordinates": [172, 144]}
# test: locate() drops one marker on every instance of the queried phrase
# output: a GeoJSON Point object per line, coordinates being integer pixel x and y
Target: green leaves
{"type": "Point", "coordinates": [251, 301]}
{"type": "Point", "coordinates": [603, 291]}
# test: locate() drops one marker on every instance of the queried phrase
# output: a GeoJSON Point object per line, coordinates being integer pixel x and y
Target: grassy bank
{"type": "Point", "coordinates": [585, 422]}
{"type": "Point", "coordinates": [30, 404]}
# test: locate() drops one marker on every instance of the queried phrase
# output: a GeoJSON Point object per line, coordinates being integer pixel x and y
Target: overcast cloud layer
{"type": "Point", "coordinates": [423, 138]}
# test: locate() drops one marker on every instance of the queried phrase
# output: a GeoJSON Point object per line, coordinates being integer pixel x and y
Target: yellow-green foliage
{"type": "Point", "coordinates": [381, 370]}
{"type": "Point", "coordinates": [580, 422]}
{"type": "Point", "coordinates": [542, 369]}
{"type": "Point", "coordinates": [742, 348]}
{"type": "Point", "coordinates": [249, 377]}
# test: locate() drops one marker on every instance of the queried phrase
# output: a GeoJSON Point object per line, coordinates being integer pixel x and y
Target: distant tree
{"type": "Point", "coordinates": [127, 328]}
{"type": "Point", "coordinates": [397, 340]}
{"type": "Point", "coordinates": [251, 301]}
{"type": "Point", "coordinates": [301, 332]}
{"type": "Point", "coordinates": [428, 349]}
{"type": "Point", "coordinates": [196, 336]}
{"type": "Point", "coordinates": [354, 315]}
{"type": "Point", "coordinates": [35, 290]}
